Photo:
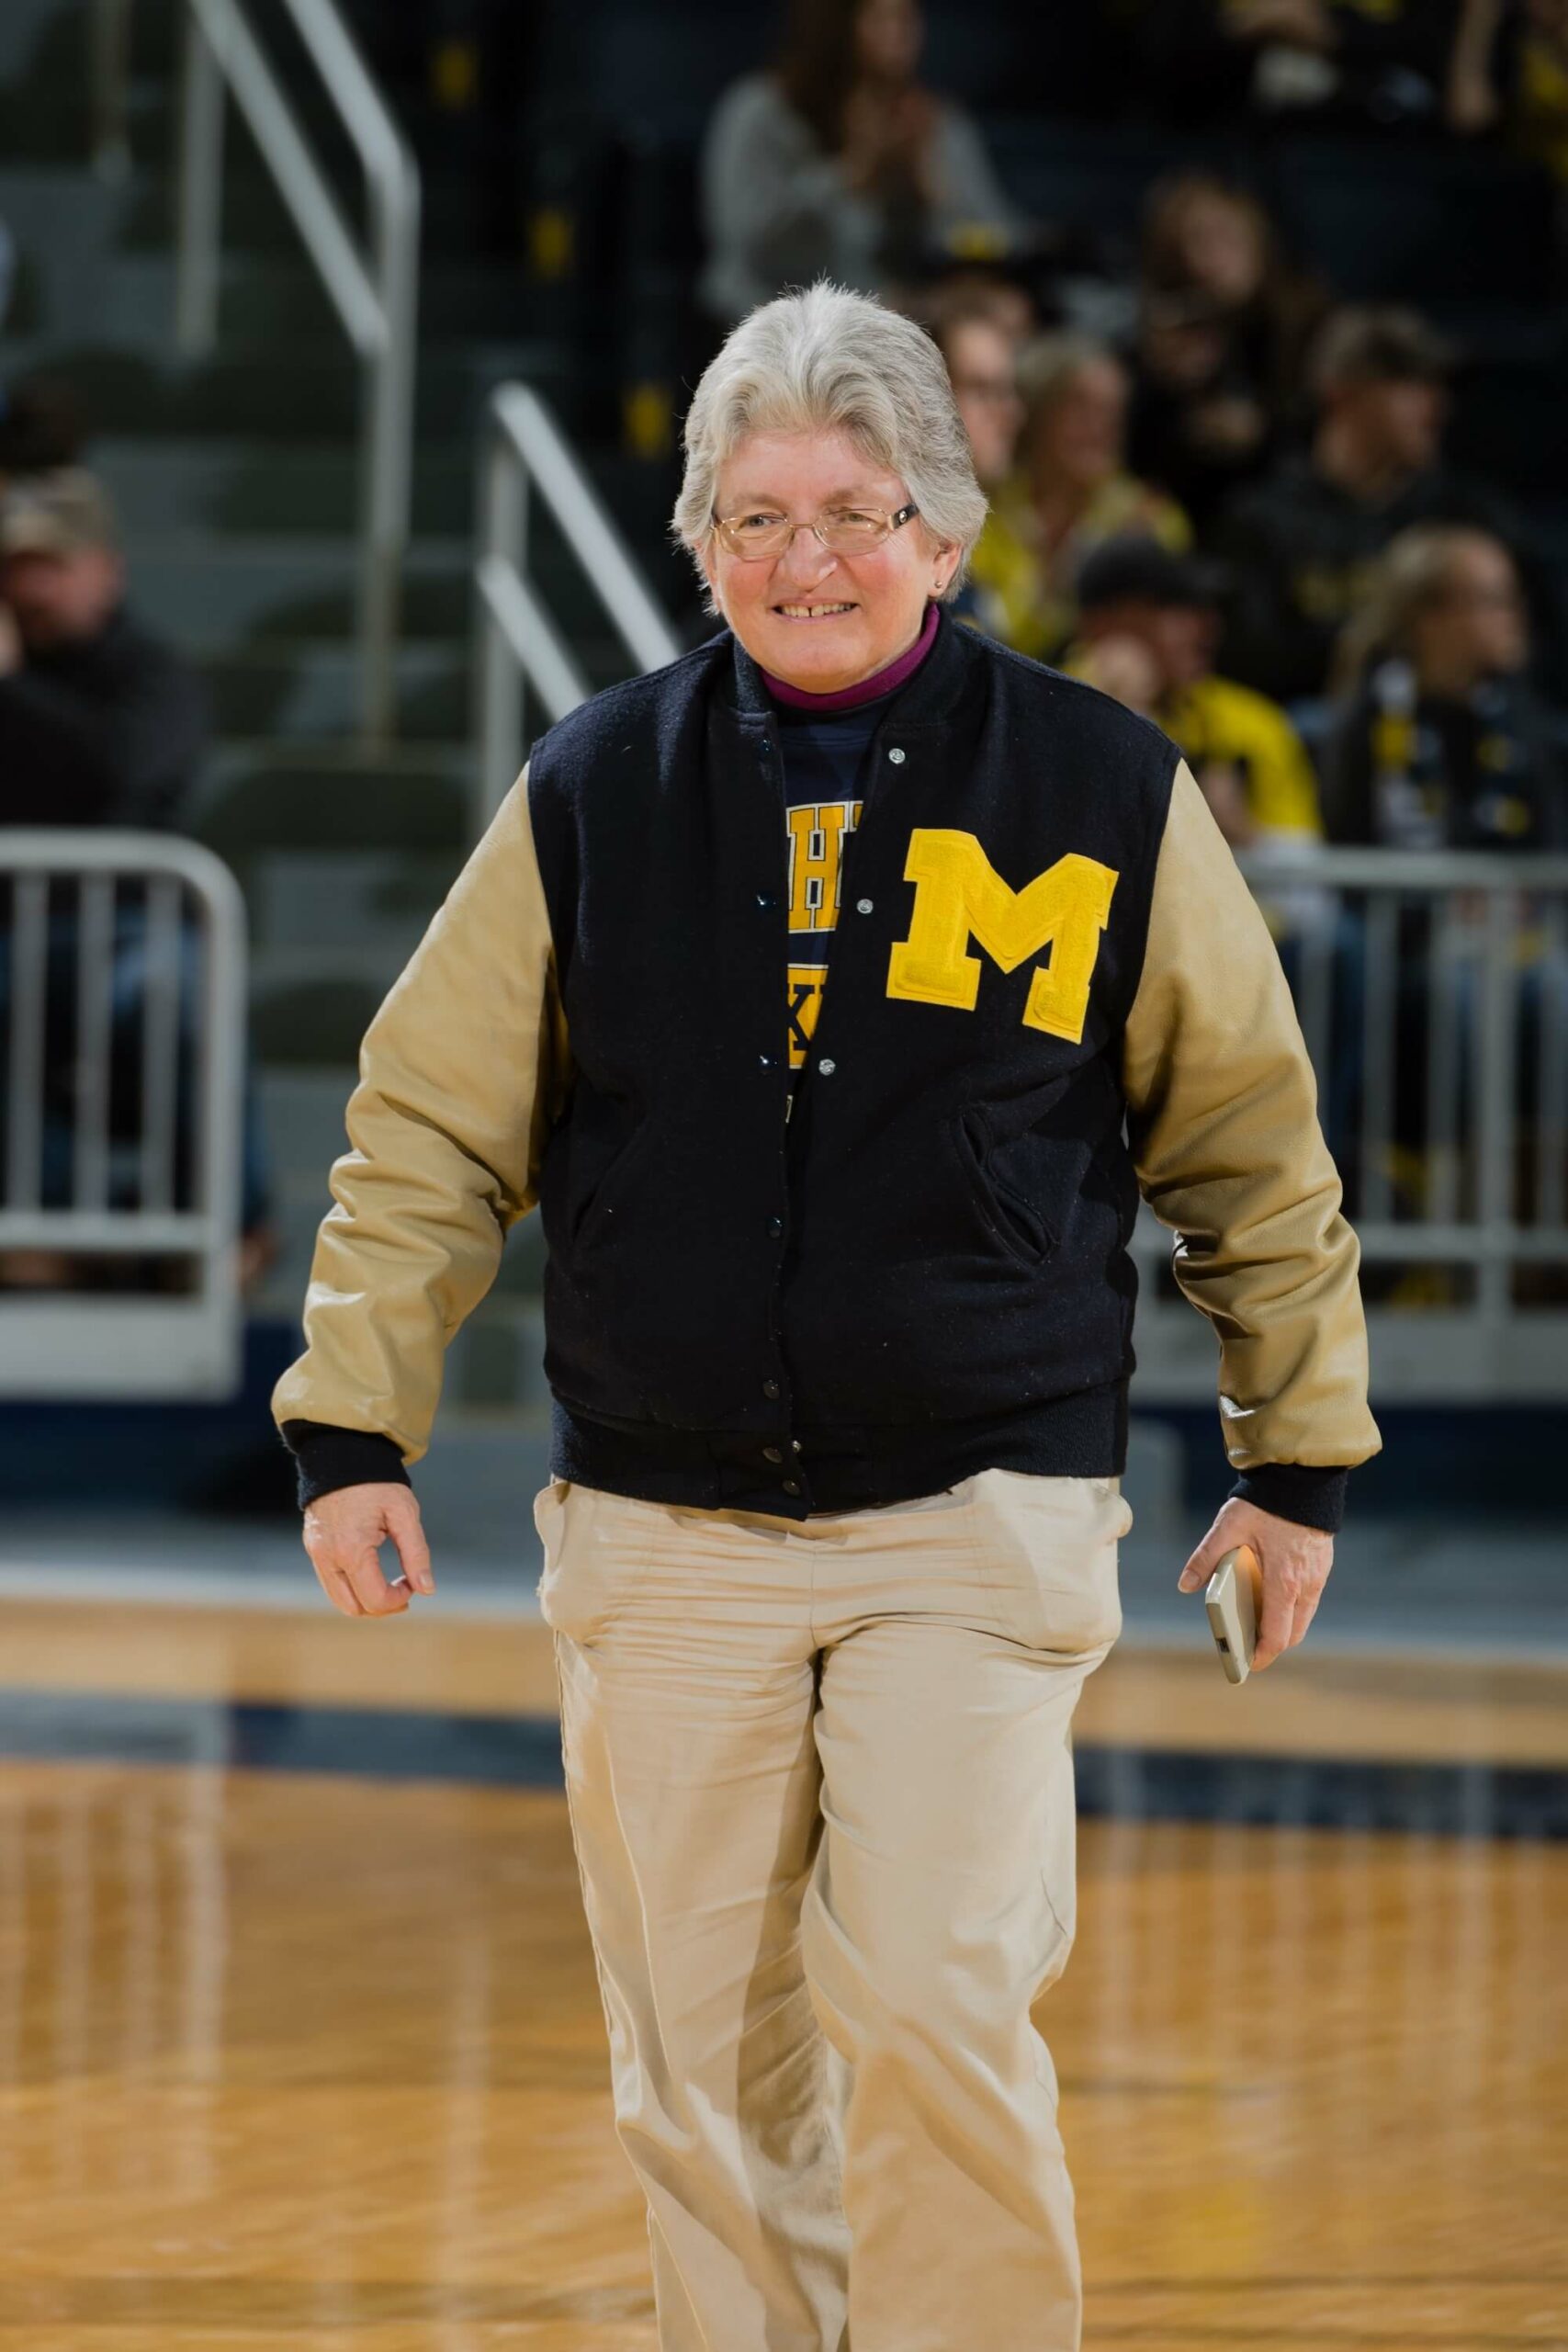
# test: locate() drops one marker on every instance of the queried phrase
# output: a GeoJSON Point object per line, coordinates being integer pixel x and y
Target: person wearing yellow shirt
{"type": "Point", "coordinates": [1148, 627]}
{"type": "Point", "coordinates": [1254, 767]}
{"type": "Point", "coordinates": [1071, 493]}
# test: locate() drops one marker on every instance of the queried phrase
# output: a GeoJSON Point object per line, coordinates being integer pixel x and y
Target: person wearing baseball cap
{"type": "Point", "coordinates": [1244, 751]}
{"type": "Point", "coordinates": [100, 721]}
{"type": "Point", "coordinates": [1305, 541]}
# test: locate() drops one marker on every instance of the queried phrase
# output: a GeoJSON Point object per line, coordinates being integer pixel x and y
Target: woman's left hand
{"type": "Point", "coordinates": [1295, 1561]}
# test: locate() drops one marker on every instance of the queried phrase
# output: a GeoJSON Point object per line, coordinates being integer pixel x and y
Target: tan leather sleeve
{"type": "Point", "coordinates": [1222, 1117]}
{"type": "Point", "coordinates": [462, 1072]}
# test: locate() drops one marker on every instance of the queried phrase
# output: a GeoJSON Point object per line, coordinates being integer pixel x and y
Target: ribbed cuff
{"type": "Point", "coordinates": [327, 1458]}
{"type": "Point", "coordinates": [1297, 1490]}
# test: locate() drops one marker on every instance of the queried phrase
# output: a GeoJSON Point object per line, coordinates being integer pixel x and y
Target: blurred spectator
{"type": "Point", "coordinates": [1141, 605]}
{"type": "Point", "coordinates": [1249, 759]}
{"type": "Point", "coordinates": [1508, 69]}
{"type": "Point", "coordinates": [840, 162]}
{"type": "Point", "coordinates": [1223, 323]}
{"type": "Point", "coordinates": [1473, 102]}
{"type": "Point", "coordinates": [7, 271]}
{"type": "Point", "coordinates": [1072, 491]}
{"type": "Point", "coordinates": [982, 364]}
{"type": "Point", "coordinates": [1381, 60]}
{"type": "Point", "coordinates": [1514, 72]}
{"type": "Point", "coordinates": [100, 723]}
{"type": "Point", "coordinates": [988, 290]}
{"type": "Point", "coordinates": [1305, 542]}
{"type": "Point", "coordinates": [1444, 745]}
{"type": "Point", "coordinates": [1443, 742]}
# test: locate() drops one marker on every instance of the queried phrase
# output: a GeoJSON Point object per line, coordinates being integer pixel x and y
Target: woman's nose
{"type": "Point", "coordinates": [806, 559]}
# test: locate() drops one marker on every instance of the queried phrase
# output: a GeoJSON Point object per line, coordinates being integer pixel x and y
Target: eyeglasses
{"type": "Point", "coordinates": [843, 530]}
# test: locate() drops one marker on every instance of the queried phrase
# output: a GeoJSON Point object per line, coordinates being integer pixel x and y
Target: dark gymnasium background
{"type": "Point", "coordinates": [344, 351]}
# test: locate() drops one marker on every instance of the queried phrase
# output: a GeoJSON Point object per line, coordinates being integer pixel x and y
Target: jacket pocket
{"type": "Point", "coordinates": [589, 1158]}
{"type": "Point", "coordinates": [599, 1208]}
{"type": "Point", "coordinates": [999, 1173]}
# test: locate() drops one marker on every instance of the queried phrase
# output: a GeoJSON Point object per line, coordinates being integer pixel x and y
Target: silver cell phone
{"type": "Point", "coordinates": [1231, 1597]}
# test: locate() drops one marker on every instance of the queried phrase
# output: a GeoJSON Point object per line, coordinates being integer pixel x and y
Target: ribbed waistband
{"type": "Point", "coordinates": [840, 1467]}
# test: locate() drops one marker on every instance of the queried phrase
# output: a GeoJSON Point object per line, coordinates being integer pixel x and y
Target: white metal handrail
{"type": "Point", "coordinates": [375, 293]}
{"type": "Point", "coordinates": [65, 1344]}
{"type": "Point", "coordinates": [524, 448]}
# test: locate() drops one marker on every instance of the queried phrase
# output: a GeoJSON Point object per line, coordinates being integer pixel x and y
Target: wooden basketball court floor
{"type": "Point", "coordinates": [300, 2043]}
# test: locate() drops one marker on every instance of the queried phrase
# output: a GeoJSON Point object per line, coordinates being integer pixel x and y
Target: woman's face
{"type": "Point", "coordinates": [1079, 439]}
{"type": "Point", "coordinates": [822, 621]}
{"type": "Point", "coordinates": [985, 384]}
{"type": "Point", "coordinates": [1221, 249]}
{"type": "Point", "coordinates": [1476, 626]}
{"type": "Point", "coordinates": [889, 38]}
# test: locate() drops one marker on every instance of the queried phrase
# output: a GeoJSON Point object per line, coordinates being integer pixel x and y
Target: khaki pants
{"type": "Point", "coordinates": [821, 1796]}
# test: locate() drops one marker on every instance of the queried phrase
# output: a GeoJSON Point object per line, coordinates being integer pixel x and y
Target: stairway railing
{"type": "Point", "coordinates": [374, 290]}
{"type": "Point", "coordinates": [520, 644]}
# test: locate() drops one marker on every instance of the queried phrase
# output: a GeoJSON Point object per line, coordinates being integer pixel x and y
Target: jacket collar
{"type": "Point", "coordinates": [927, 699]}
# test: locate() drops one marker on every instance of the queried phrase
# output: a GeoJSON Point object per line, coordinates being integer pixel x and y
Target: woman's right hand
{"type": "Point", "coordinates": [343, 1532]}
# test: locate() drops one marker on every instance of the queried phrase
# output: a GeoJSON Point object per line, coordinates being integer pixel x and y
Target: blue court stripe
{"type": "Point", "coordinates": [523, 1751]}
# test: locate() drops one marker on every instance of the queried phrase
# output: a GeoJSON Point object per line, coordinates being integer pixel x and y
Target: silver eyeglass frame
{"type": "Point", "coordinates": [894, 521]}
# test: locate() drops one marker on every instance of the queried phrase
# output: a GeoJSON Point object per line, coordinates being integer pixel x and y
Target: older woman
{"type": "Point", "coordinates": [838, 1307]}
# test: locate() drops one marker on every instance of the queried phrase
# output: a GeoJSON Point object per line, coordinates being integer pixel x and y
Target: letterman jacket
{"type": "Point", "coordinates": [1050, 991]}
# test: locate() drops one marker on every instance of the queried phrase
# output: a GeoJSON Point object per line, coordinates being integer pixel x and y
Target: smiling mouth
{"type": "Point", "coordinates": [811, 612]}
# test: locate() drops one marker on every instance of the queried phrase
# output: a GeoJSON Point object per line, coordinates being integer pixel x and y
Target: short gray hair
{"type": "Point", "coordinates": [823, 359]}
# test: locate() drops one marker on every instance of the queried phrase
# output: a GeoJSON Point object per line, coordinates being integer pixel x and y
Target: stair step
{"type": "Point", "coordinates": [47, 43]}
{"type": "Point", "coordinates": [373, 903]}
{"type": "Point", "coordinates": [46, 122]}
{"type": "Point", "coordinates": [212, 595]}
{"type": "Point", "coordinates": [258, 798]}
{"type": "Point", "coordinates": [297, 394]}
{"type": "Point", "coordinates": [255, 219]}
{"type": "Point", "coordinates": [165, 487]}
{"type": "Point", "coordinates": [65, 225]}
{"type": "Point", "coordinates": [305, 689]}
{"type": "Point", "coordinates": [172, 495]}
{"type": "Point", "coordinates": [313, 1021]}
{"type": "Point", "coordinates": [25, 26]}
{"type": "Point", "coordinates": [264, 300]}
{"type": "Point", "coordinates": [301, 1111]}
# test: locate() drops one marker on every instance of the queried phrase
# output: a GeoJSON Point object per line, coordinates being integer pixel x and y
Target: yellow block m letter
{"type": "Point", "coordinates": [960, 894]}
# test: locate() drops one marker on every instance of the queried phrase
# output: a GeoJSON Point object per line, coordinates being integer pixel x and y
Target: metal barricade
{"type": "Point", "coordinates": [107, 936]}
{"type": "Point", "coordinates": [1432, 991]}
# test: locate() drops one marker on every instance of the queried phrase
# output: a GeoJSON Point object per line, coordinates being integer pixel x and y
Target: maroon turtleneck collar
{"type": "Point", "coordinates": [882, 681]}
